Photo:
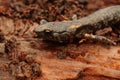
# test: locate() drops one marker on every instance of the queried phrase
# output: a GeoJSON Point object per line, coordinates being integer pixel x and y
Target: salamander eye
{"type": "Point", "coordinates": [48, 31]}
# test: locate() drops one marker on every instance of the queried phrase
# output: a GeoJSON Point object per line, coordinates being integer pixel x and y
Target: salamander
{"type": "Point", "coordinates": [64, 31]}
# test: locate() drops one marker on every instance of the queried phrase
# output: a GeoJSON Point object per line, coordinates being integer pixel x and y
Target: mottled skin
{"type": "Point", "coordinates": [66, 30]}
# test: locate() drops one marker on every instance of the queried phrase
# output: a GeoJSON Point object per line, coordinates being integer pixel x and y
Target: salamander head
{"type": "Point", "coordinates": [54, 31]}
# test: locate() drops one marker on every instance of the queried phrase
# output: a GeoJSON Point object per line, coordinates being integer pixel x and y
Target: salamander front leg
{"type": "Point", "coordinates": [99, 38]}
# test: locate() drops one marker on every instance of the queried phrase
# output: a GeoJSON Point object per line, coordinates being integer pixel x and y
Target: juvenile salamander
{"type": "Point", "coordinates": [66, 30]}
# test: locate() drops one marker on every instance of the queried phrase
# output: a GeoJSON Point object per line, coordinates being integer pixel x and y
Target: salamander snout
{"type": "Point", "coordinates": [44, 32]}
